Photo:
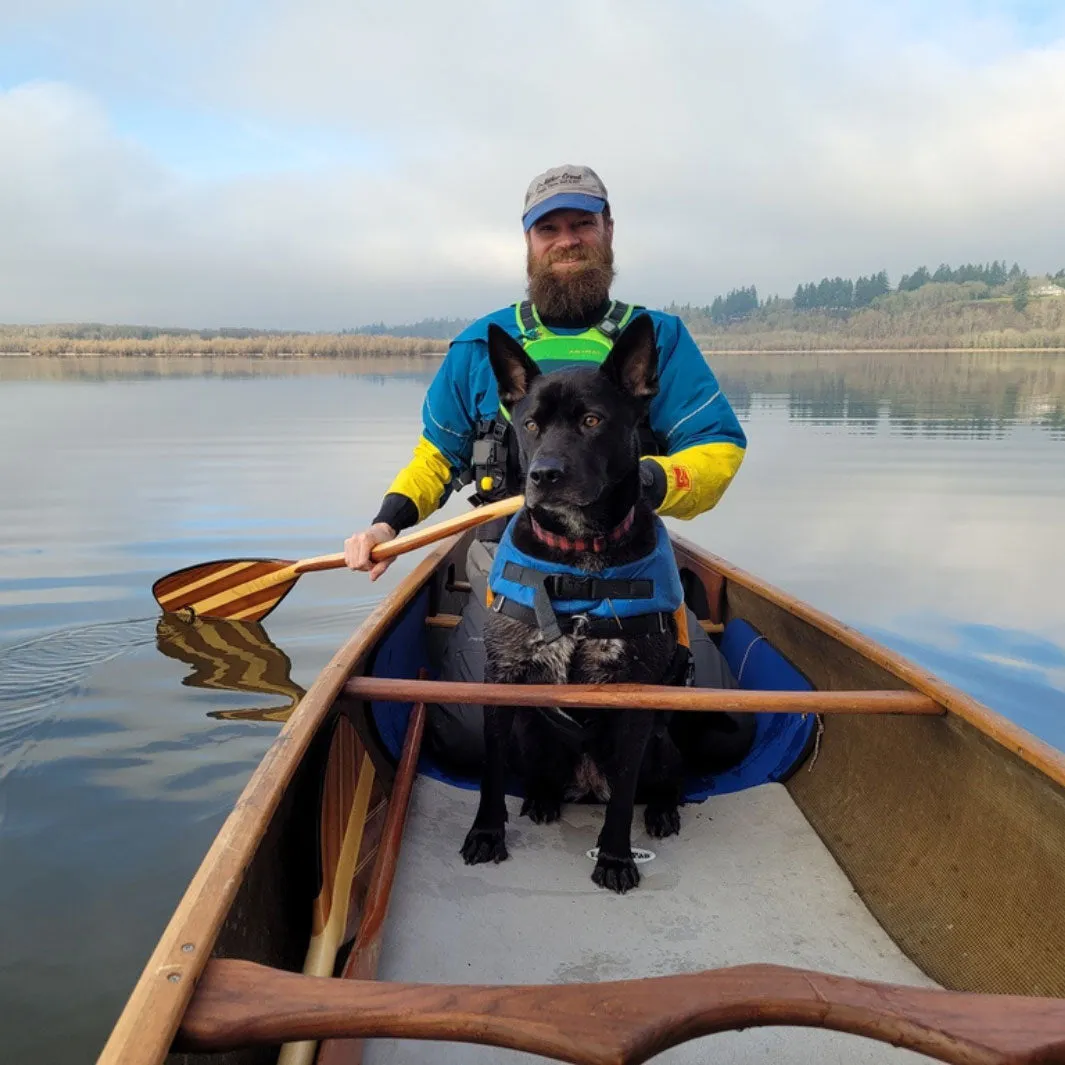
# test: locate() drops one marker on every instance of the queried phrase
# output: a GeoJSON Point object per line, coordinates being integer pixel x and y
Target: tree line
{"type": "Point", "coordinates": [846, 294]}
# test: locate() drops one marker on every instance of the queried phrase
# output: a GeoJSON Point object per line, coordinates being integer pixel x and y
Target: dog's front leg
{"type": "Point", "coordinates": [486, 840]}
{"type": "Point", "coordinates": [615, 868]}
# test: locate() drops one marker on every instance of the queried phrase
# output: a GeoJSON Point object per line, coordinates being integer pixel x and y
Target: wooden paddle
{"type": "Point", "coordinates": [248, 589]}
{"type": "Point", "coordinates": [345, 799]}
{"type": "Point", "coordinates": [239, 1004]}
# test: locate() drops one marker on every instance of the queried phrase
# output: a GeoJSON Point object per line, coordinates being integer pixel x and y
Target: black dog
{"type": "Point", "coordinates": [577, 431]}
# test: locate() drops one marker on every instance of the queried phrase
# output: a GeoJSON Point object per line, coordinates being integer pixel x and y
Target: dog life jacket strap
{"type": "Point", "coordinates": [583, 624]}
{"type": "Point", "coordinates": [569, 586]}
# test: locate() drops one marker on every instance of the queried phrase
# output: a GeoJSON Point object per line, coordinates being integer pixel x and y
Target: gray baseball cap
{"type": "Point", "coordinates": [571, 186]}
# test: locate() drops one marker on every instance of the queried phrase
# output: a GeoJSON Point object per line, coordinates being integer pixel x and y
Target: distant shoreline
{"type": "Point", "coordinates": [882, 351]}
{"type": "Point", "coordinates": [437, 354]}
{"type": "Point", "coordinates": [247, 356]}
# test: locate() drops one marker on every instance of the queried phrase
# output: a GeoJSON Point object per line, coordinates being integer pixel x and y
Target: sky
{"type": "Point", "coordinates": [331, 163]}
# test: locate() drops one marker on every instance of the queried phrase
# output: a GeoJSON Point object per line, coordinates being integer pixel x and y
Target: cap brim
{"type": "Point", "coordinates": [575, 201]}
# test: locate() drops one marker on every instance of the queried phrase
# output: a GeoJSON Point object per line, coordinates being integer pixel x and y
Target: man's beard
{"type": "Point", "coordinates": [576, 294]}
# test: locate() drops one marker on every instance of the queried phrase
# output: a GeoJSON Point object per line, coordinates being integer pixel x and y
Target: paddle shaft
{"type": "Point", "coordinates": [239, 1003]}
{"type": "Point", "coordinates": [422, 538]}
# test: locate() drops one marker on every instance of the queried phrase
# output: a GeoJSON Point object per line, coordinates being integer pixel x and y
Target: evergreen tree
{"type": "Point", "coordinates": [738, 304]}
{"type": "Point", "coordinates": [1021, 292]}
{"type": "Point", "coordinates": [912, 282]}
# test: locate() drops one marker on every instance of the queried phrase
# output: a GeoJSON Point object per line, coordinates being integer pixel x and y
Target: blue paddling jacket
{"type": "Point", "coordinates": [699, 439]}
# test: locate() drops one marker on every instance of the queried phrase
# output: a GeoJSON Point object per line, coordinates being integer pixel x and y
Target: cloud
{"type": "Point", "coordinates": [742, 143]}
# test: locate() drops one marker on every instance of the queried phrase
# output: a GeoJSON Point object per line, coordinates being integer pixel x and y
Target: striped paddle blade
{"type": "Point", "coordinates": [234, 589]}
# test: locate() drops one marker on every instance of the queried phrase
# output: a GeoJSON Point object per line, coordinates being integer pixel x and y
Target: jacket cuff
{"type": "Point", "coordinates": [653, 483]}
{"type": "Point", "coordinates": [398, 511]}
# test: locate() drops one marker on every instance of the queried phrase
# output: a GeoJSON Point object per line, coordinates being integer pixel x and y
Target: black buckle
{"type": "Point", "coordinates": [569, 586]}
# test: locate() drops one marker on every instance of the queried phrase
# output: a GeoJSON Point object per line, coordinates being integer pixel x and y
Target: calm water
{"type": "Point", "coordinates": [919, 498]}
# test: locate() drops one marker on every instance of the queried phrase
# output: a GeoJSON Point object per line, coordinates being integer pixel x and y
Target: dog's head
{"type": "Point", "coordinates": [577, 429]}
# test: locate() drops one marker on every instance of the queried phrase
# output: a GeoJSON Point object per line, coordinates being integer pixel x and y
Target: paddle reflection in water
{"type": "Point", "coordinates": [231, 656]}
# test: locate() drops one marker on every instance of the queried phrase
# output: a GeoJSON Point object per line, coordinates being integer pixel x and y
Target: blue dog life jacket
{"type": "Point", "coordinates": [636, 598]}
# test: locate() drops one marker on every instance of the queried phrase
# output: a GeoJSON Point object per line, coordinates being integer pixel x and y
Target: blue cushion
{"type": "Point", "coordinates": [781, 740]}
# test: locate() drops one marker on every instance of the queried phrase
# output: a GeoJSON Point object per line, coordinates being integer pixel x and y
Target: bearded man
{"type": "Point", "coordinates": [693, 444]}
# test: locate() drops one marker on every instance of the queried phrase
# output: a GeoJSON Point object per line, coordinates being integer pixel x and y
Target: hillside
{"type": "Point", "coordinates": [1023, 313]}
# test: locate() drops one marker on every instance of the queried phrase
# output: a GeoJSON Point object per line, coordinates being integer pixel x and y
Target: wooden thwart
{"type": "Point", "coordinates": [239, 1004]}
{"type": "Point", "coordinates": [451, 621]}
{"type": "Point", "coordinates": [643, 696]}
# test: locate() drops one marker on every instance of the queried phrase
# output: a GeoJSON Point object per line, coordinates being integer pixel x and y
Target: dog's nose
{"type": "Point", "coordinates": [546, 471]}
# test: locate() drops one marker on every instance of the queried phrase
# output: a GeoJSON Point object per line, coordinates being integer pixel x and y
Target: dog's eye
{"type": "Point", "coordinates": [531, 426]}
{"type": "Point", "coordinates": [590, 421]}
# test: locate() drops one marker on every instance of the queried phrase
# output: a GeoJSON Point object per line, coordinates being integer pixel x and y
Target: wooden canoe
{"type": "Point", "coordinates": [903, 882]}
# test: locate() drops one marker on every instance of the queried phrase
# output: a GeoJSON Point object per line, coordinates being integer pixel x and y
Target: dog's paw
{"type": "Point", "coordinates": [616, 874]}
{"type": "Point", "coordinates": [661, 820]}
{"type": "Point", "coordinates": [541, 809]}
{"type": "Point", "coordinates": [484, 845]}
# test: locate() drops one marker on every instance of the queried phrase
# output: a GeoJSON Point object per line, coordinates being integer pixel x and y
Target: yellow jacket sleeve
{"type": "Point", "coordinates": [424, 479]}
{"type": "Point", "coordinates": [697, 477]}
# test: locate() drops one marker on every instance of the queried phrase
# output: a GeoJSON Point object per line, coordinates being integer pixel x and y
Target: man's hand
{"type": "Point", "coordinates": [357, 549]}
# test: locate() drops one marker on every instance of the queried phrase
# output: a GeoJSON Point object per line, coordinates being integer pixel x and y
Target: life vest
{"type": "Point", "coordinates": [636, 598]}
{"type": "Point", "coordinates": [492, 460]}
{"type": "Point", "coordinates": [554, 351]}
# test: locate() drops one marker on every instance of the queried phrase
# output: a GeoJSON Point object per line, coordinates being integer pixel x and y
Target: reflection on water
{"type": "Point", "coordinates": [149, 367]}
{"type": "Point", "coordinates": [952, 393]}
{"type": "Point", "coordinates": [231, 656]}
{"type": "Point", "coordinates": [917, 497]}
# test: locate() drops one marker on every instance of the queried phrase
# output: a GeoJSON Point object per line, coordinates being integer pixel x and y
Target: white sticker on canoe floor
{"type": "Point", "coordinates": [639, 856]}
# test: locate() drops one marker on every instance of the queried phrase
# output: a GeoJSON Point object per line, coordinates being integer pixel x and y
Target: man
{"type": "Point", "coordinates": [694, 444]}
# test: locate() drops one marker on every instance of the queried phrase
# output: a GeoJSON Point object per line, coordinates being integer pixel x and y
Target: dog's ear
{"type": "Point", "coordinates": [633, 361]}
{"type": "Point", "coordinates": [514, 369]}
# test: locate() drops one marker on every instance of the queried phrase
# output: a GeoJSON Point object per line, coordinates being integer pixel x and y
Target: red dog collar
{"type": "Point", "coordinates": [596, 544]}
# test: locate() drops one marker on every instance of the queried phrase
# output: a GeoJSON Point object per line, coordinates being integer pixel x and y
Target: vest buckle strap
{"type": "Point", "coordinates": [584, 625]}
{"type": "Point", "coordinates": [569, 586]}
